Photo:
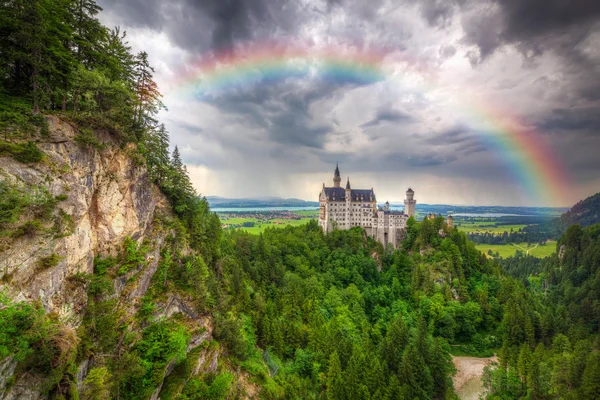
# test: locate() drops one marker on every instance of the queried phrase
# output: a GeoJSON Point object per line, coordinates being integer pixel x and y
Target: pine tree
{"type": "Point", "coordinates": [590, 384]}
{"type": "Point", "coordinates": [147, 93]}
{"type": "Point", "coordinates": [88, 31]}
{"type": "Point", "coordinates": [335, 381]}
{"type": "Point", "coordinates": [394, 343]}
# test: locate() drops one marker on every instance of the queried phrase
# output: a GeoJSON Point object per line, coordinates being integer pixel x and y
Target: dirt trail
{"type": "Point", "coordinates": [468, 368]}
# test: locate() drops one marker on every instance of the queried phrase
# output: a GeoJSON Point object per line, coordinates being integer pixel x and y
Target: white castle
{"type": "Point", "coordinates": [346, 208]}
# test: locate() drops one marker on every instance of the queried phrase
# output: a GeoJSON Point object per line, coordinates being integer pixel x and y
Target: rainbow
{"type": "Point", "coordinates": [521, 147]}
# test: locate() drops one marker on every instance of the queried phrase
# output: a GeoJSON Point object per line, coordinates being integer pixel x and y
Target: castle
{"type": "Point", "coordinates": [346, 208]}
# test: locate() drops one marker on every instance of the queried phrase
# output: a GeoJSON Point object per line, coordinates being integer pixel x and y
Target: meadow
{"type": "Point", "coordinates": [261, 224]}
{"type": "Point", "coordinates": [509, 250]}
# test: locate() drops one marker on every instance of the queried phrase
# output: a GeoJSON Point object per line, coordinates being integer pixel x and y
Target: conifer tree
{"type": "Point", "coordinates": [335, 381]}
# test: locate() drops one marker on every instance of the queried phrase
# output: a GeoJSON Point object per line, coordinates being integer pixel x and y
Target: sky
{"type": "Point", "coordinates": [533, 63]}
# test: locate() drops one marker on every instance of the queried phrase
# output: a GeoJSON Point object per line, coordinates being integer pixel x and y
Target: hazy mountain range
{"type": "Point", "coordinates": [444, 209]}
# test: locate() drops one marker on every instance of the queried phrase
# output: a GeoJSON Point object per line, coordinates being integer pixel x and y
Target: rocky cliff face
{"type": "Point", "coordinates": [108, 197]}
{"type": "Point", "coordinates": [98, 197]}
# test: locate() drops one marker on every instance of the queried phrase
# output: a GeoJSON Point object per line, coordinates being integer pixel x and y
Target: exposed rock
{"type": "Point", "coordinates": [82, 371]}
{"type": "Point", "coordinates": [7, 368]}
{"type": "Point", "coordinates": [175, 305]}
{"type": "Point", "coordinates": [110, 197]}
{"type": "Point", "coordinates": [561, 252]}
{"type": "Point", "coordinates": [26, 388]}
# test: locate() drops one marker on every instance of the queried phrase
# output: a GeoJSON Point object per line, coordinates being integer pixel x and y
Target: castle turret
{"type": "Point", "coordinates": [348, 184]}
{"type": "Point", "coordinates": [387, 206]}
{"type": "Point", "coordinates": [410, 203]}
{"type": "Point", "coordinates": [337, 180]}
{"type": "Point", "coordinates": [450, 221]}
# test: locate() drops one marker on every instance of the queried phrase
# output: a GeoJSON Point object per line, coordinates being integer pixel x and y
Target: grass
{"type": "Point", "coordinates": [490, 227]}
{"type": "Point", "coordinates": [261, 225]}
{"type": "Point", "coordinates": [509, 250]}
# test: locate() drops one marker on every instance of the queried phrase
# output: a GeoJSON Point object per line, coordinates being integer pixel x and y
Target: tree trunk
{"type": "Point", "coordinates": [76, 102]}
{"type": "Point", "coordinates": [18, 76]}
{"type": "Point", "coordinates": [63, 106]}
{"type": "Point", "coordinates": [34, 77]}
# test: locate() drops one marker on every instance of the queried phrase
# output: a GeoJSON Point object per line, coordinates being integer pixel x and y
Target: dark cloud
{"type": "Point", "coordinates": [203, 25]}
{"type": "Point", "coordinates": [437, 13]}
{"type": "Point", "coordinates": [305, 123]}
{"type": "Point", "coordinates": [579, 120]}
{"type": "Point", "coordinates": [283, 110]}
{"type": "Point", "coordinates": [534, 26]}
{"type": "Point", "coordinates": [387, 114]}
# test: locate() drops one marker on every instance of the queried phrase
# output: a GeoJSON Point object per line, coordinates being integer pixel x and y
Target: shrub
{"type": "Point", "coordinates": [12, 203]}
{"type": "Point", "coordinates": [132, 256]}
{"type": "Point", "coordinates": [61, 197]}
{"type": "Point", "coordinates": [22, 152]}
{"type": "Point", "coordinates": [97, 384]}
{"type": "Point", "coordinates": [50, 261]}
{"type": "Point", "coordinates": [86, 138]}
{"type": "Point", "coordinates": [29, 228]}
{"type": "Point", "coordinates": [28, 153]}
{"type": "Point", "coordinates": [63, 224]}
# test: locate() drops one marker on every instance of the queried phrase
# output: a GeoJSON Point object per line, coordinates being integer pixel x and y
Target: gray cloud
{"type": "Point", "coordinates": [537, 59]}
{"type": "Point", "coordinates": [387, 114]}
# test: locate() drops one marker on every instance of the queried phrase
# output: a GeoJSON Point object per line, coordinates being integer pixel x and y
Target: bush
{"type": "Point", "coordinates": [28, 153]}
{"type": "Point", "coordinates": [63, 224]}
{"type": "Point", "coordinates": [49, 261]}
{"type": "Point", "coordinates": [29, 228]}
{"type": "Point", "coordinates": [22, 152]}
{"type": "Point", "coordinates": [61, 197]}
{"type": "Point", "coordinates": [86, 138]}
{"type": "Point", "coordinates": [12, 203]}
{"type": "Point", "coordinates": [132, 256]}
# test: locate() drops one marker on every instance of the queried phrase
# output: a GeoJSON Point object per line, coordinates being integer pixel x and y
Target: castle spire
{"type": "Point", "coordinates": [337, 180]}
{"type": "Point", "coordinates": [348, 184]}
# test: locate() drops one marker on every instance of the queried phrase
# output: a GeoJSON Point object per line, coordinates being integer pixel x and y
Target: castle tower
{"type": "Point", "coordinates": [348, 184]}
{"type": "Point", "coordinates": [450, 221]}
{"type": "Point", "coordinates": [387, 206]}
{"type": "Point", "coordinates": [337, 180]}
{"type": "Point", "coordinates": [410, 203]}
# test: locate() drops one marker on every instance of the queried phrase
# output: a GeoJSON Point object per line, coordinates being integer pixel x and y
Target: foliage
{"type": "Point", "coordinates": [49, 261]}
{"type": "Point", "coordinates": [22, 152]}
{"type": "Point", "coordinates": [86, 137]}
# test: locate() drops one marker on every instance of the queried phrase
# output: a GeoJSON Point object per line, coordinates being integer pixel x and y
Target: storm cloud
{"type": "Point", "coordinates": [534, 62]}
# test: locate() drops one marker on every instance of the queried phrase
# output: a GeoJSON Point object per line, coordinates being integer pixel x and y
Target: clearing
{"type": "Point", "coordinates": [467, 381]}
{"type": "Point", "coordinates": [509, 250]}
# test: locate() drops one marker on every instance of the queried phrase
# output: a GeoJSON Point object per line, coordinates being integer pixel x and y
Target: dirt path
{"type": "Point", "coordinates": [468, 368]}
{"type": "Point", "coordinates": [523, 248]}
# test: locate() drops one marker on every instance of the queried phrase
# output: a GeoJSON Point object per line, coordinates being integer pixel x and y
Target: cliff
{"type": "Point", "coordinates": [107, 197]}
{"type": "Point", "coordinates": [79, 204]}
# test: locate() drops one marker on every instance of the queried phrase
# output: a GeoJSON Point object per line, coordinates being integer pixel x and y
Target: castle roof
{"type": "Point", "coordinates": [410, 190]}
{"type": "Point", "coordinates": [337, 170]}
{"type": "Point", "coordinates": [348, 183]}
{"type": "Point", "coordinates": [339, 194]}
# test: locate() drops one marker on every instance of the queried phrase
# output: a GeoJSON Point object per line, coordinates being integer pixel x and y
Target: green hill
{"type": "Point", "coordinates": [584, 213]}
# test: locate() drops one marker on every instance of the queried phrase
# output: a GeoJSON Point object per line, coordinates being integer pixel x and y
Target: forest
{"type": "Point", "coordinates": [303, 314]}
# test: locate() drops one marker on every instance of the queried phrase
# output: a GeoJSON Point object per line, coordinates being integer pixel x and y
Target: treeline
{"type": "Point", "coordinates": [558, 354]}
{"type": "Point", "coordinates": [508, 237]}
{"type": "Point", "coordinates": [56, 57]}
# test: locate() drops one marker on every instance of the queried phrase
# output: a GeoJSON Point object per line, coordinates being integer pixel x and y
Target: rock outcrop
{"type": "Point", "coordinates": [108, 198]}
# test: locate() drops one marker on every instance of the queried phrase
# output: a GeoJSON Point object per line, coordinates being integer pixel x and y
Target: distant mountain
{"type": "Point", "coordinates": [584, 213]}
{"type": "Point", "coordinates": [269, 201]}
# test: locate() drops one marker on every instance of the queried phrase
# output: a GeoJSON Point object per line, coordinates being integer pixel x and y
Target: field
{"type": "Point", "coordinates": [509, 250]}
{"type": "Point", "coordinates": [261, 224]}
{"type": "Point", "coordinates": [482, 227]}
